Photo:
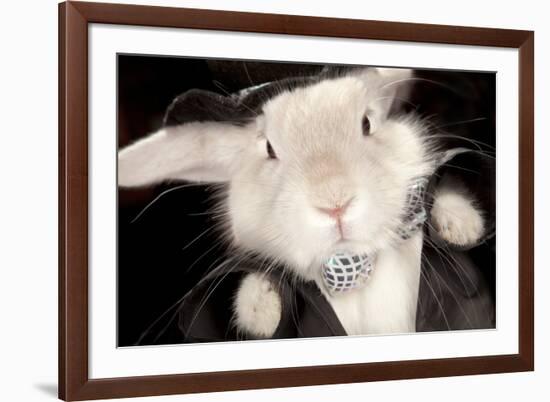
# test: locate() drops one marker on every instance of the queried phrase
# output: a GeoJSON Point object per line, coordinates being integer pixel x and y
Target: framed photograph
{"type": "Point", "coordinates": [259, 200]}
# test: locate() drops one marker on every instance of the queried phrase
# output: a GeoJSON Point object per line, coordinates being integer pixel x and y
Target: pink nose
{"type": "Point", "coordinates": [336, 212]}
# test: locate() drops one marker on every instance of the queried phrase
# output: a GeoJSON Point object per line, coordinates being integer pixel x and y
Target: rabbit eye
{"type": "Point", "coordinates": [366, 125]}
{"type": "Point", "coordinates": [270, 152]}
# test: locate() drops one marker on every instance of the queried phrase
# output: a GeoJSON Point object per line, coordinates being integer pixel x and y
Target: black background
{"type": "Point", "coordinates": [154, 255]}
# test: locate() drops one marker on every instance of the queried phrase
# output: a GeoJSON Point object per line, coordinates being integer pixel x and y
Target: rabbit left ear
{"type": "Point", "coordinates": [203, 152]}
{"type": "Point", "coordinates": [203, 136]}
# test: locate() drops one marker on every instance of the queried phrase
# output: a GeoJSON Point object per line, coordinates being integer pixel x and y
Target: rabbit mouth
{"type": "Point", "coordinates": [349, 245]}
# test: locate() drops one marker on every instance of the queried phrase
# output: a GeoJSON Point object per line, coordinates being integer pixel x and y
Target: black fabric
{"type": "Point", "coordinates": [453, 293]}
{"type": "Point", "coordinates": [198, 105]}
{"type": "Point", "coordinates": [205, 314]}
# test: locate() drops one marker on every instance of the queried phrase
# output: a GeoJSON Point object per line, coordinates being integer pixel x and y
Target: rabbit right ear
{"type": "Point", "coordinates": [392, 84]}
{"type": "Point", "coordinates": [204, 152]}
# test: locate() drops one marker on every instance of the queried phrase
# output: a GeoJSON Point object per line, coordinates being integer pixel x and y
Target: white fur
{"type": "Point", "coordinates": [324, 160]}
{"type": "Point", "coordinates": [201, 152]}
{"type": "Point", "coordinates": [454, 215]}
{"type": "Point", "coordinates": [257, 306]}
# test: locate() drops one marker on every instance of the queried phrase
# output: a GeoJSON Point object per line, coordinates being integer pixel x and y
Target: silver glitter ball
{"type": "Point", "coordinates": [345, 271]}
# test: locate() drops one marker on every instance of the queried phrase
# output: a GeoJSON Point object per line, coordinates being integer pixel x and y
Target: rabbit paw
{"type": "Point", "coordinates": [257, 306]}
{"type": "Point", "coordinates": [455, 217]}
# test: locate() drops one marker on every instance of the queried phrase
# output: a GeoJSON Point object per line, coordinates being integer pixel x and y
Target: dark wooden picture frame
{"type": "Point", "coordinates": [74, 381]}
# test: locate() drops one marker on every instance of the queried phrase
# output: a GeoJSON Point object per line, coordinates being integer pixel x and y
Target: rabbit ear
{"type": "Point", "coordinates": [392, 87]}
{"type": "Point", "coordinates": [204, 152]}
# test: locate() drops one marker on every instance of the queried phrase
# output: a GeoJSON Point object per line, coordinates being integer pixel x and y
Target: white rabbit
{"type": "Point", "coordinates": [323, 167]}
